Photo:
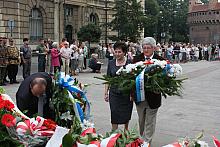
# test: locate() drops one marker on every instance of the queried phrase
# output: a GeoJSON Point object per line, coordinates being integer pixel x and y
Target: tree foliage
{"type": "Point", "coordinates": [173, 19]}
{"type": "Point", "coordinates": [152, 10]}
{"type": "Point", "coordinates": [90, 33]}
{"type": "Point", "coordinates": [205, 1]}
{"type": "Point", "coordinates": [129, 19]}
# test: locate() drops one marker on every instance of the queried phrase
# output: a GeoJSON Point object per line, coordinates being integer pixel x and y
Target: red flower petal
{"type": "Point", "coordinates": [8, 120]}
{"type": "Point", "coordinates": [9, 105]}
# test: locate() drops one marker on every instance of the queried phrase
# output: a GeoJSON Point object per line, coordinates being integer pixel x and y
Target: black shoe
{"type": "Point", "coordinates": [16, 82]}
{"type": "Point", "coordinates": [2, 84]}
{"type": "Point", "coordinates": [11, 82]}
{"type": "Point", "coordinates": [6, 81]}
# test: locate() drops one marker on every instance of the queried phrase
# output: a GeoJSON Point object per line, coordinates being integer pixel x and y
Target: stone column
{"type": "Point", "coordinates": [61, 21]}
{"type": "Point", "coordinates": [19, 40]}
{"type": "Point", "coordinates": [56, 21]}
{"type": "Point", "coordinates": [79, 17]}
{"type": "Point", "coordinates": [83, 15]}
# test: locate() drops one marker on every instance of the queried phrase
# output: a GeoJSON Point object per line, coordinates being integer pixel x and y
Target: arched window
{"type": "Point", "coordinates": [93, 18]}
{"type": "Point", "coordinates": [36, 24]}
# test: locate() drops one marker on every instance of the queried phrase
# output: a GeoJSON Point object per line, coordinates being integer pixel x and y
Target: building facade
{"type": "Point", "coordinates": [52, 19]}
{"type": "Point", "coordinates": [204, 21]}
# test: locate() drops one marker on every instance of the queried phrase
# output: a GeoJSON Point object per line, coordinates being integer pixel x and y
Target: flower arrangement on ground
{"type": "Point", "coordinates": [151, 75]}
{"type": "Point", "coordinates": [69, 100]}
{"type": "Point", "coordinates": [16, 129]}
{"type": "Point", "coordinates": [189, 142]}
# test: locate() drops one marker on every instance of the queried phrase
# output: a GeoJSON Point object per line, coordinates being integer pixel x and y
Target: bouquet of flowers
{"type": "Point", "coordinates": [189, 142]}
{"type": "Point", "coordinates": [151, 76]}
{"type": "Point", "coordinates": [89, 137]}
{"type": "Point", "coordinates": [17, 129]}
{"type": "Point", "coordinates": [69, 100]}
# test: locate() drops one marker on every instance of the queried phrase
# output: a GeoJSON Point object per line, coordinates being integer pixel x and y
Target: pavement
{"type": "Point", "coordinates": [198, 109]}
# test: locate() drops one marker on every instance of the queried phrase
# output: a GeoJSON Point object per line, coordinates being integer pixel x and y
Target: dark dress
{"type": "Point", "coordinates": [120, 104]}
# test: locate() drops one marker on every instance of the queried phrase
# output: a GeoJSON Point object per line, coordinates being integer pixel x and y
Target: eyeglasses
{"type": "Point", "coordinates": [147, 48]}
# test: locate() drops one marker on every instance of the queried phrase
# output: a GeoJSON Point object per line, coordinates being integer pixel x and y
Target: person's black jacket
{"type": "Point", "coordinates": [27, 101]}
{"type": "Point", "coordinates": [153, 99]}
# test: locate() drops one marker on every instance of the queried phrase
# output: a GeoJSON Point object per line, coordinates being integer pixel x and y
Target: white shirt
{"type": "Point", "coordinates": [151, 57]}
{"type": "Point", "coordinates": [66, 52]}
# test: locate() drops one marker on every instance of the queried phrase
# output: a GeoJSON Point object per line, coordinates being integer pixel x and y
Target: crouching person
{"type": "Point", "coordinates": [94, 64]}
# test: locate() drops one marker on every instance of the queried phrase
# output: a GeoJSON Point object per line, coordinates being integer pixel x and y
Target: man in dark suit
{"type": "Point", "coordinates": [147, 110]}
{"type": "Point", "coordinates": [34, 93]}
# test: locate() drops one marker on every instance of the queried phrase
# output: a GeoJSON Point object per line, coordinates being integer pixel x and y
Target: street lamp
{"type": "Point", "coordinates": [106, 22]}
{"type": "Point", "coordinates": [64, 23]}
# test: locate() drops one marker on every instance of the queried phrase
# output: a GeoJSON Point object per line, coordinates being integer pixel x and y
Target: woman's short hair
{"type": "Point", "coordinates": [55, 44]}
{"type": "Point", "coordinates": [149, 41]}
{"type": "Point", "coordinates": [122, 46]}
{"type": "Point", "coordinates": [94, 55]}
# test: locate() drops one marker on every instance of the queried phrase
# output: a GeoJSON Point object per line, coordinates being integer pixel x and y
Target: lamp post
{"type": "Point", "coordinates": [64, 22]}
{"type": "Point", "coordinates": [106, 21]}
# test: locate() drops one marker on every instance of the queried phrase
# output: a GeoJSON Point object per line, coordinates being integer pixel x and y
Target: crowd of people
{"type": "Point", "coordinates": [175, 52]}
{"type": "Point", "coordinates": [52, 57]}
{"type": "Point", "coordinates": [69, 57]}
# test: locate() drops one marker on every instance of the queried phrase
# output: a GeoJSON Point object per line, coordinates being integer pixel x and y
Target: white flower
{"type": "Point", "coordinates": [66, 116]}
{"type": "Point", "coordinates": [87, 124]}
{"type": "Point", "coordinates": [177, 69]}
{"type": "Point", "coordinates": [162, 64]}
{"type": "Point", "coordinates": [141, 63]}
{"type": "Point", "coordinates": [119, 71]}
{"type": "Point", "coordinates": [129, 68]}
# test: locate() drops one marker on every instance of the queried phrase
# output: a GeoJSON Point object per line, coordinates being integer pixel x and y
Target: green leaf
{"type": "Point", "coordinates": [67, 141]}
{"type": "Point", "coordinates": [2, 90]}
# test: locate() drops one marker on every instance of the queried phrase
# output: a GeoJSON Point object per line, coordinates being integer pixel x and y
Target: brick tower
{"type": "Point", "coordinates": [212, 4]}
{"type": "Point", "coordinates": [191, 4]}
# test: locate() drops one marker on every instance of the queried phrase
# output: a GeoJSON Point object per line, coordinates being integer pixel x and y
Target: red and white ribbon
{"type": "Point", "coordinates": [33, 127]}
{"type": "Point", "coordinates": [92, 144]}
{"type": "Point", "coordinates": [110, 141]}
{"type": "Point", "coordinates": [176, 144]}
{"type": "Point", "coordinates": [216, 141]}
{"type": "Point", "coordinates": [107, 142]}
{"type": "Point", "coordinates": [88, 131]}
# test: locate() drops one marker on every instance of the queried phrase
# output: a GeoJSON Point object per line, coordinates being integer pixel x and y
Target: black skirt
{"type": "Point", "coordinates": [121, 106]}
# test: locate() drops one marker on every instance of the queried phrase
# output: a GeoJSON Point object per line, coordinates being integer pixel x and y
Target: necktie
{"type": "Point", "coordinates": [147, 58]}
{"type": "Point", "coordinates": [41, 100]}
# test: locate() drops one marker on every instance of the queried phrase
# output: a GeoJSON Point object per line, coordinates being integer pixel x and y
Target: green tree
{"type": "Point", "coordinates": [173, 20]}
{"type": "Point", "coordinates": [205, 1]}
{"type": "Point", "coordinates": [152, 10]}
{"type": "Point", "coordinates": [129, 19]}
{"type": "Point", "coordinates": [90, 33]}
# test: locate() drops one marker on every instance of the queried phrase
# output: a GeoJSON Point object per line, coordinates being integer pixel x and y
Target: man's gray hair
{"type": "Point", "coordinates": [55, 44]}
{"type": "Point", "coordinates": [149, 41]}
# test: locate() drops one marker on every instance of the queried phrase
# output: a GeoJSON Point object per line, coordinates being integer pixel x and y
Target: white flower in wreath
{"type": "Point", "coordinates": [171, 72]}
{"type": "Point", "coordinates": [119, 71]}
{"type": "Point", "coordinates": [141, 63]}
{"type": "Point", "coordinates": [87, 124]}
{"type": "Point", "coordinates": [162, 64]}
{"type": "Point", "coordinates": [177, 69]}
{"type": "Point", "coordinates": [130, 67]}
{"type": "Point", "coordinates": [66, 116]}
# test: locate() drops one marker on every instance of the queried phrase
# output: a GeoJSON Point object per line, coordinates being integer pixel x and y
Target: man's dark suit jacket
{"type": "Point", "coordinates": [27, 101]}
{"type": "Point", "coordinates": [153, 99]}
